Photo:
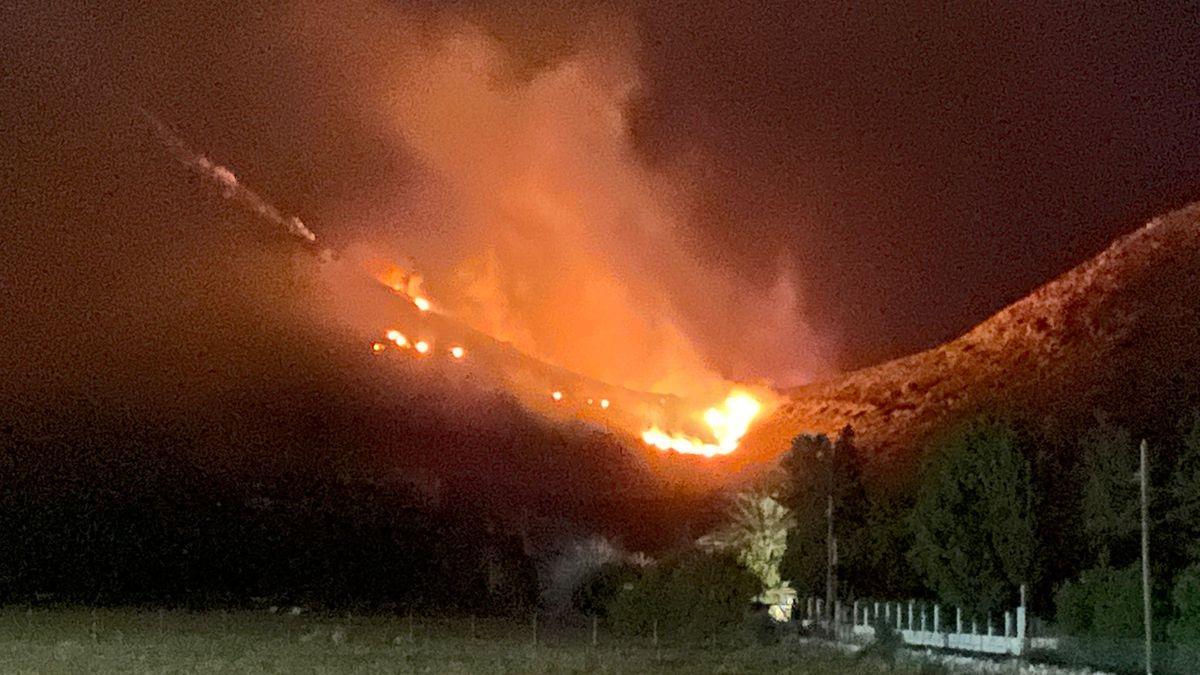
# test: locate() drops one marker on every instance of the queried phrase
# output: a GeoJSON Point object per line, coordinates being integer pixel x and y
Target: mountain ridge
{"type": "Point", "coordinates": [1128, 313]}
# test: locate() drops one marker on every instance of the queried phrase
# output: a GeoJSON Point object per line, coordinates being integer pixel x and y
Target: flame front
{"type": "Point", "coordinates": [728, 423]}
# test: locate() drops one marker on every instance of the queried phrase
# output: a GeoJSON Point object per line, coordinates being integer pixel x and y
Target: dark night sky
{"type": "Point", "coordinates": [921, 166]}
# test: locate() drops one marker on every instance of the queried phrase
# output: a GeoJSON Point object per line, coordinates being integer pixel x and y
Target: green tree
{"type": "Point", "coordinates": [973, 528]}
{"type": "Point", "coordinates": [1110, 502]}
{"type": "Point", "coordinates": [757, 534]}
{"type": "Point", "coordinates": [1185, 628]}
{"type": "Point", "coordinates": [1183, 491]}
{"type": "Point", "coordinates": [817, 469]}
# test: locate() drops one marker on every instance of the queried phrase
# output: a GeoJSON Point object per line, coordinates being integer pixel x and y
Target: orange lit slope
{"type": "Point", "coordinates": [1119, 333]}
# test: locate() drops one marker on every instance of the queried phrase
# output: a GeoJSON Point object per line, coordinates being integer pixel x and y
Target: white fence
{"type": "Point", "coordinates": [924, 625]}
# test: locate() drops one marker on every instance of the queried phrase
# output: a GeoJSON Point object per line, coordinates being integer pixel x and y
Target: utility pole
{"type": "Point", "coordinates": [1143, 476]}
{"type": "Point", "coordinates": [831, 544]}
{"type": "Point", "coordinates": [831, 560]}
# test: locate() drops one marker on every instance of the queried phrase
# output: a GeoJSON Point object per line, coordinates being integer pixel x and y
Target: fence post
{"type": "Point", "coordinates": [1008, 624]}
{"type": "Point", "coordinates": [910, 614]}
{"type": "Point", "coordinates": [922, 617]}
{"type": "Point", "coordinates": [1021, 625]}
{"type": "Point", "coordinates": [989, 625]}
{"type": "Point", "coordinates": [854, 621]}
{"type": "Point", "coordinates": [937, 619]}
{"type": "Point", "coordinates": [899, 615]}
{"type": "Point", "coordinates": [958, 619]}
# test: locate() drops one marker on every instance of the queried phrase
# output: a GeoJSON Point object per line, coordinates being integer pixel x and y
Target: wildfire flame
{"type": "Point", "coordinates": [728, 423]}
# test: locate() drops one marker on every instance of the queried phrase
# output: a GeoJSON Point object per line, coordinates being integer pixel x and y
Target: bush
{"type": "Point", "coordinates": [593, 596]}
{"type": "Point", "coordinates": [695, 596]}
{"type": "Point", "coordinates": [1185, 628]}
{"type": "Point", "coordinates": [759, 627]}
{"type": "Point", "coordinates": [1103, 602]}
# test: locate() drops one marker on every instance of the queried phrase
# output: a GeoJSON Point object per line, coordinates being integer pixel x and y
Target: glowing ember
{"type": "Point", "coordinates": [590, 401]}
{"type": "Point", "coordinates": [458, 352]}
{"type": "Point", "coordinates": [377, 347]}
{"type": "Point", "coordinates": [604, 403]}
{"type": "Point", "coordinates": [422, 347]}
{"type": "Point", "coordinates": [728, 423]}
{"type": "Point", "coordinates": [421, 303]}
{"type": "Point", "coordinates": [557, 396]}
{"type": "Point", "coordinates": [398, 338]}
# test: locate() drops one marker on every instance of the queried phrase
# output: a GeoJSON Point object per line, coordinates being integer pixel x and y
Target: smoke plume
{"type": "Point", "coordinates": [530, 212]}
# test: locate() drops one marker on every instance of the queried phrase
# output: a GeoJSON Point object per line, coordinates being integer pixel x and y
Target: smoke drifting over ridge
{"type": "Point", "coordinates": [530, 212]}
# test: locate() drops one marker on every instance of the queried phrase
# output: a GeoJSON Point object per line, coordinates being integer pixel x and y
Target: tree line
{"type": "Point", "coordinates": [998, 504]}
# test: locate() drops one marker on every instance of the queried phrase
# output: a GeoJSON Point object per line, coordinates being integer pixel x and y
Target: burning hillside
{"type": "Point", "coordinates": [419, 330]}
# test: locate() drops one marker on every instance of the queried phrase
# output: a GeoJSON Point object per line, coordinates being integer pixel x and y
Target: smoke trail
{"type": "Point", "coordinates": [225, 180]}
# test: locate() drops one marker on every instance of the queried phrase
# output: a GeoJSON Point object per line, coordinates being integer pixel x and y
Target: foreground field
{"type": "Point", "coordinates": [83, 641]}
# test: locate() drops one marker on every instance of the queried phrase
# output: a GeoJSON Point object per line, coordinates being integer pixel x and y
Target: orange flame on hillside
{"type": "Point", "coordinates": [727, 422]}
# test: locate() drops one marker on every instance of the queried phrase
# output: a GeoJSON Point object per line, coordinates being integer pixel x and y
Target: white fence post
{"type": "Point", "coordinates": [958, 619]}
{"type": "Point", "coordinates": [1008, 624]}
{"type": "Point", "coordinates": [937, 618]}
{"type": "Point", "coordinates": [910, 614]}
{"type": "Point", "coordinates": [922, 617]}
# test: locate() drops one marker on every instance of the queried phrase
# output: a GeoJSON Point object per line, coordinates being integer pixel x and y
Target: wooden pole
{"type": "Point", "coordinates": [831, 559]}
{"type": "Point", "coordinates": [1143, 475]}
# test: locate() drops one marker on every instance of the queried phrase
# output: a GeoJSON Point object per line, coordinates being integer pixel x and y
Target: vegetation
{"type": "Point", "coordinates": [81, 641]}
{"type": "Point", "coordinates": [1185, 628]}
{"type": "Point", "coordinates": [695, 596]}
{"type": "Point", "coordinates": [757, 534]}
{"type": "Point", "coordinates": [819, 473]}
{"type": "Point", "coordinates": [1103, 602]}
{"type": "Point", "coordinates": [973, 521]}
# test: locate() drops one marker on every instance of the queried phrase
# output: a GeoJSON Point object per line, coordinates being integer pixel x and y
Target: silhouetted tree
{"type": "Point", "coordinates": [817, 469]}
{"type": "Point", "coordinates": [1109, 497]}
{"type": "Point", "coordinates": [973, 529]}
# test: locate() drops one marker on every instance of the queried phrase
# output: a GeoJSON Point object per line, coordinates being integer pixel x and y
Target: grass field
{"type": "Point", "coordinates": [104, 641]}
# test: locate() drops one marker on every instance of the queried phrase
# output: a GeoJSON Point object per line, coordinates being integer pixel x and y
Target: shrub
{"type": "Point", "coordinates": [1103, 602]}
{"type": "Point", "coordinates": [1185, 628]}
{"type": "Point", "coordinates": [596, 592]}
{"type": "Point", "coordinates": [694, 596]}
